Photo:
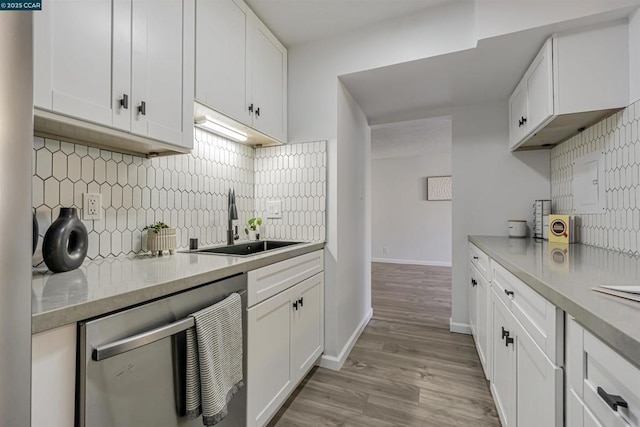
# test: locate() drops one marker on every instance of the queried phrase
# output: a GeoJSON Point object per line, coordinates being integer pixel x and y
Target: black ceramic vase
{"type": "Point", "coordinates": [65, 243]}
{"type": "Point", "coordinates": [35, 234]}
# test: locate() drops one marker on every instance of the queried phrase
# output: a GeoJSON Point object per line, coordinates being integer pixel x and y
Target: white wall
{"type": "Point", "coordinates": [499, 17]}
{"type": "Point", "coordinates": [413, 230]}
{"type": "Point", "coordinates": [490, 185]}
{"type": "Point", "coordinates": [348, 276]}
{"type": "Point", "coordinates": [313, 67]}
{"type": "Point", "coordinates": [634, 57]}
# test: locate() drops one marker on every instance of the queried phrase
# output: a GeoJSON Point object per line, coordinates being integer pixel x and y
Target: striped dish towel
{"type": "Point", "coordinates": [214, 360]}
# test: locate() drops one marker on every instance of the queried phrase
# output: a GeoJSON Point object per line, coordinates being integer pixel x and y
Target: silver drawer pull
{"type": "Point", "coordinates": [123, 345]}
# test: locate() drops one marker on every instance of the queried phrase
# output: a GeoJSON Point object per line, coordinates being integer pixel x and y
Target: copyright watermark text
{"type": "Point", "coordinates": [24, 5]}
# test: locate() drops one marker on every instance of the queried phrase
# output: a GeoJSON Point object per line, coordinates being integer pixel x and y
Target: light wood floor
{"type": "Point", "coordinates": [406, 369]}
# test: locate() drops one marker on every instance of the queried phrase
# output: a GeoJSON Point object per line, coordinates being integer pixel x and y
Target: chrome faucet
{"type": "Point", "coordinates": [233, 214]}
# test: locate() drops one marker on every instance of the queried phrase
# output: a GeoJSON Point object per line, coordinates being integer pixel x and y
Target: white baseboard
{"type": "Point", "coordinates": [335, 362]}
{"type": "Point", "coordinates": [459, 328]}
{"type": "Point", "coordinates": [412, 261]}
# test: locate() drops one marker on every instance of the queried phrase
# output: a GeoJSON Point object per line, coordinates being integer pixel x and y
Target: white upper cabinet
{"type": "Point", "coordinates": [241, 68]}
{"type": "Point", "coordinates": [73, 42]}
{"type": "Point", "coordinates": [575, 80]}
{"type": "Point", "coordinates": [156, 63]}
{"type": "Point", "coordinates": [268, 83]}
{"type": "Point", "coordinates": [518, 112]}
{"type": "Point", "coordinates": [221, 38]}
{"type": "Point", "coordinates": [117, 73]}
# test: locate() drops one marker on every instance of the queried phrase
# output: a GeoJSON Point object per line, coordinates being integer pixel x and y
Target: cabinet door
{"type": "Point", "coordinates": [482, 324]}
{"type": "Point", "coordinates": [590, 420]}
{"type": "Point", "coordinates": [307, 330]}
{"type": "Point", "coordinates": [221, 64]}
{"type": "Point", "coordinates": [538, 387]}
{"type": "Point", "coordinates": [574, 409]}
{"type": "Point", "coordinates": [268, 357]}
{"type": "Point", "coordinates": [53, 377]}
{"type": "Point", "coordinates": [72, 59]}
{"type": "Point", "coordinates": [268, 82]}
{"type": "Point", "coordinates": [473, 301]}
{"type": "Point", "coordinates": [503, 368]}
{"type": "Point", "coordinates": [517, 114]}
{"type": "Point", "coordinates": [540, 88]}
{"type": "Point", "coordinates": [157, 64]}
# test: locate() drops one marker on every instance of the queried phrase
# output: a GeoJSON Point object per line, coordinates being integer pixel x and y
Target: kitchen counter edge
{"type": "Point", "coordinates": [47, 320]}
{"type": "Point", "coordinates": [623, 343]}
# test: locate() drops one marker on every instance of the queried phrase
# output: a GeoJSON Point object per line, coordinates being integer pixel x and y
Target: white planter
{"type": "Point", "coordinates": [163, 240]}
{"type": "Point", "coordinates": [252, 235]}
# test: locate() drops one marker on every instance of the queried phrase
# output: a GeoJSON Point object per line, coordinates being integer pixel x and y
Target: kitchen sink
{"type": "Point", "coordinates": [246, 249]}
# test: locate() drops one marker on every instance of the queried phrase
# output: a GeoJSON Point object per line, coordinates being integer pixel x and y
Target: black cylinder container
{"type": "Point", "coordinates": [35, 234]}
{"type": "Point", "coordinates": [65, 243]}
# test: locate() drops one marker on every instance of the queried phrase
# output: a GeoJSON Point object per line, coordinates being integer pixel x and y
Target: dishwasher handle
{"type": "Point", "coordinates": [123, 345]}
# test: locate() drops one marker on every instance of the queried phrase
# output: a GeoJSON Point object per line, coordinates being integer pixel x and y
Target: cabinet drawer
{"type": "Point", "coordinates": [479, 259]}
{"type": "Point", "coordinates": [272, 279]}
{"type": "Point", "coordinates": [606, 369]}
{"type": "Point", "coordinates": [541, 319]}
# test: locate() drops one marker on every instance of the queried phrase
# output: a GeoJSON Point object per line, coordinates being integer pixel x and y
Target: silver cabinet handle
{"type": "Point", "coordinates": [123, 345]}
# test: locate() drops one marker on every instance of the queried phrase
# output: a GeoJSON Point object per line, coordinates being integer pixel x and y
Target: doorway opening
{"type": "Point", "coordinates": [411, 221]}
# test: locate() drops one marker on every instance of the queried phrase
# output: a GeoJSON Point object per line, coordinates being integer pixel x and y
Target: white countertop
{"type": "Point", "coordinates": [568, 283]}
{"type": "Point", "coordinates": [102, 286]}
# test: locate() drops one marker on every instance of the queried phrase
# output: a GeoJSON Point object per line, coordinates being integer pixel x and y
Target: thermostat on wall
{"type": "Point", "coordinates": [274, 209]}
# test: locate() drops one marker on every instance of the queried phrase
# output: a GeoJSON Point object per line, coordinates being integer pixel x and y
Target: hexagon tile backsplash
{"type": "Point", "coordinates": [186, 191]}
{"type": "Point", "coordinates": [295, 174]}
{"type": "Point", "coordinates": [619, 137]}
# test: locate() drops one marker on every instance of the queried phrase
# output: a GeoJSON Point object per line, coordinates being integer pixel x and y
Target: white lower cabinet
{"type": "Point", "coordinates": [473, 301]}
{"type": "Point", "coordinates": [526, 385]}
{"type": "Point", "coordinates": [285, 337]}
{"type": "Point", "coordinates": [53, 375]}
{"type": "Point", "coordinates": [480, 305]}
{"type": "Point", "coordinates": [269, 380]}
{"type": "Point", "coordinates": [482, 324]}
{"type": "Point", "coordinates": [603, 387]}
{"type": "Point", "coordinates": [307, 331]}
{"type": "Point", "coordinates": [538, 385]}
{"type": "Point", "coordinates": [503, 363]}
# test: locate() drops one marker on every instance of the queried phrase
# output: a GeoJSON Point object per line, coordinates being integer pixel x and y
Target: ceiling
{"type": "Point", "coordinates": [300, 21]}
{"type": "Point", "coordinates": [409, 90]}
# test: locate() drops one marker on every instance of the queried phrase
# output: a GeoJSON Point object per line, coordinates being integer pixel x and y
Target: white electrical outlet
{"type": "Point", "coordinates": [91, 206]}
{"type": "Point", "coordinates": [385, 250]}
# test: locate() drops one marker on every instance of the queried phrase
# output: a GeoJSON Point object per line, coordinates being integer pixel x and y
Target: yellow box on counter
{"type": "Point", "coordinates": [562, 229]}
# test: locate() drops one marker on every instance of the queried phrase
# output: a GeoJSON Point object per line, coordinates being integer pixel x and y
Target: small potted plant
{"type": "Point", "coordinates": [160, 238]}
{"type": "Point", "coordinates": [252, 231]}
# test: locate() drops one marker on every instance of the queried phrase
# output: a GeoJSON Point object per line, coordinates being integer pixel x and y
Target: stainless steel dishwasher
{"type": "Point", "coordinates": [131, 364]}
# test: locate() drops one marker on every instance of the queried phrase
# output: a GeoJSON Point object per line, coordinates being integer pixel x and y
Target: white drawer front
{"type": "Point", "coordinates": [273, 279]}
{"type": "Point", "coordinates": [606, 369]}
{"type": "Point", "coordinates": [480, 260]}
{"type": "Point", "coordinates": [541, 319]}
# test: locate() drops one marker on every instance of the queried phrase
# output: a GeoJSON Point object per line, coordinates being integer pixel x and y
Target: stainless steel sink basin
{"type": "Point", "coordinates": [246, 249]}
